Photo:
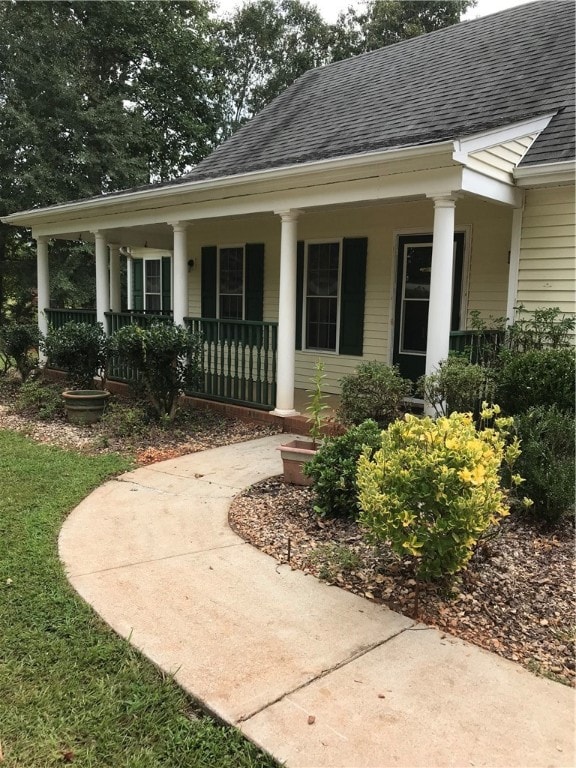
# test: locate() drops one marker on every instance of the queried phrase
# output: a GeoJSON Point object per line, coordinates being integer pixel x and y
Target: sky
{"type": "Point", "coordinates": [331, 8]}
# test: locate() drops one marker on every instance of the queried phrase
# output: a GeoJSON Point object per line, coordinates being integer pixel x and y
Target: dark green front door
{"type": "Point", "coordinates": [413, 297]}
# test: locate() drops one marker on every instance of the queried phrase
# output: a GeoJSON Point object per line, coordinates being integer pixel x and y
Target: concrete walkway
{"type": "Point", "coordinates": [314, 675]}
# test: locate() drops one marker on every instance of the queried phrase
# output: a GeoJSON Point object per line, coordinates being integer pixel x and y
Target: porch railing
{"type": "Point", "coordinates": [240, 359]}
{"type": "Point", "coordinates": [479, 346]}
{"type": "Point", "coordinates": [58, 317]}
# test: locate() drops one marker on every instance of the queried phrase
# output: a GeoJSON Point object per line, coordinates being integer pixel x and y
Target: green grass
{"type": "Point", "coordinates": [70, 689]}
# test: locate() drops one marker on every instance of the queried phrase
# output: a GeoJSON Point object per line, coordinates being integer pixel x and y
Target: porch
{"type": "Point", "coordinates": [240, 358]}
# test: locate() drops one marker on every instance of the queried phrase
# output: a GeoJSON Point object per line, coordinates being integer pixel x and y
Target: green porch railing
{"type": "Point", "coordinates": [240, 359]}
{"type": "Point", "coordinates": [58, 317]}
{"type": "Point", "coordinates": [480, 346]}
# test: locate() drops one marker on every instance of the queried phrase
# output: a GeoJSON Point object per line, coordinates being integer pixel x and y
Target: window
{"type": "Point", "coordinates": [231, 283]}
{"type": "Point", "coordinates": [152, 284]}
{"type": "Point", "coordinates": [322, 296]}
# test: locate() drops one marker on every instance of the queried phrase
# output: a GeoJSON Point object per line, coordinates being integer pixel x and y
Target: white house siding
{"type": "Point", "coordinates": [499, 161]}
{"type": "Point", "coordinates": [487, 227]}
{"type": "Point", "coordinates": [547, 272]}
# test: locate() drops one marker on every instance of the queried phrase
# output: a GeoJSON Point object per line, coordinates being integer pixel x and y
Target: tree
{"type": "Point", "coordinates": [95, 97]}
{"type": "Point", "coordinates": [384, 22]}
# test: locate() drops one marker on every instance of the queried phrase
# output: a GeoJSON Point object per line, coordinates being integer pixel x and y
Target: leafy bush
{"type": "Point", "coordinates": [333, 469]}
{"type": "Point", "coordinates": [121, 420]}
{"type": "Point", "coordinates": [40, 398]}
{"type": "Point", "coordinates": [543, 328]}
{"type": "Point", "coordinates": [374, 391]}
{"type": "Point", "coordinates": [547, 460]}
{"type": "Point", "coordinates": [80, 349]}
{"type": "Point", "coordinates": [166, 356]}
{"type": "Point", "coordinates": [433, 488]}
{"type": "Point", "coordinates": [19, 344]}
{"type": "Point", "coordinates": [536, 377]}
{"type": "Point", "coordinates": [457, 385]}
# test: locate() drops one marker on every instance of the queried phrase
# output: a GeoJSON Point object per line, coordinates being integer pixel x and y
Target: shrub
{"type": "Point", "coordinates": [433, 488]}
{"type": "Point", "coordinates": [121, 420]}
{"type": "Point", "coordinates": [80, 349]}
{"type": "Point", "coordinates": [547, 460]}
{"type": "Point", "coordinates": [316, 405]}
{"type": "Point", "coordinates": [457, 385]}
{"type": "Point", "coordinates": [374, 391]}
{"type": "Point", "coordinates": [40, 398]}
{"type": "Point", "coordinates": [546, 327]}
{"type": "Point", "coordinates": [536, 377]}
{"type": "Point", "coordinates": [166, 356]}
{"type": "Point", "coordinates": [19, 344]}
{"type": "Point", "coordinates": [333, 469]}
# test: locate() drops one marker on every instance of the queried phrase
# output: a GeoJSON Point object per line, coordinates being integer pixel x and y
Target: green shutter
{"type": "Point", "coordinates": [299, 291]}
{"type": "Point", "coordinates": [353, 291]}
{"type": "Point", "coordinates": [138, 284]}
{"type": "Point", "coordinates": [209, 264]}
{"type": "Point", "coordinates": [166, 283]}
{"type": "Point", "coordinates": [254, 282]}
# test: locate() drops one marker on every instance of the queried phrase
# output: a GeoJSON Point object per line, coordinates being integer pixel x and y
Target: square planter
{"type": "Point", "coordinates": [295, 454]}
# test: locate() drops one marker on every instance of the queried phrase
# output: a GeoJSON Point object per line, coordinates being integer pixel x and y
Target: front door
{"type": "Point", "coordinates": [413, 298]}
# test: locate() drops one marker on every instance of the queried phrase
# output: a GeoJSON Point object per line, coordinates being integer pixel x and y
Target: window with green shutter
{"type": "Point", "coordinates": [152, 284]}
{"type": "Point", "coordinates": [331, 286]}
{"type": "Point", "coordinates": [232, 280]}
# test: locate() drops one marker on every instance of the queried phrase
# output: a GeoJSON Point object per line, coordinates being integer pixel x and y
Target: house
{"type": "Point", "coordinates": [362, 215]}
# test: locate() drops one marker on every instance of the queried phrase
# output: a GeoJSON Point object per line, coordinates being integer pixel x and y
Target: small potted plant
{"type": "Point", "coordinates": [81, 350]}
{"type": "Point", "coordinates": [296, 453]}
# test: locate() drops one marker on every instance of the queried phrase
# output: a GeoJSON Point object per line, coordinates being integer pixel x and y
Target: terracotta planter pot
{"type": "Point", "coordinates": [294, 455]}
{"type": "Point", "coordinates": [85, 406]}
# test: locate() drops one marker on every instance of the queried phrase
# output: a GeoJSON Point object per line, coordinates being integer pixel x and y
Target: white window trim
{"type": "Point", "coordinates": [401, 350]}
{"type": "Point", "coordinates": [222, 247]}
{"type": "Point", "coordinates": [321, 241]}
{"type": "Point", "coordinates": [147, 260]}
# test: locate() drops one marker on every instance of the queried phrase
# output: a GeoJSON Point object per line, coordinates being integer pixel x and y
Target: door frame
{"type": "Point", "coordinates": [465, 232]}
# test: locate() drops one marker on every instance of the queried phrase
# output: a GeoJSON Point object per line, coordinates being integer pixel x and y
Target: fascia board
{"type": "Point", "coordinates": [350, 162]}
{"type": "Point", "coordinates": [547, 173]}
{"type": "Point", "coordinates": [408, 185]}
{"type": "Point", "coordinates": [476, 183]}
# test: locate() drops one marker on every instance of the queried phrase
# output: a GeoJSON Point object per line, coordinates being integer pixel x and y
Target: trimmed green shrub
{"type": "Point", "coordinates": [374, 391]}
{"type": "Point", "coordinates": [167, 357]}
{"type": "Point", "coordinates": [433, 488]}
{"type": "Point", "coordinates": [19, 346]}
{"type": "Point", "coordinates": [80, 349]}
{"type": "Point", "coordinates": [547, 461]}
{"type": "Point", "coordinates": [542, 328]}
{"type": "Point", "coordinates": [123, 420]}
{"type": "Point", "coordinates": [457, 385]}
{"type": "Point", "coordinates": [536, 377]}
{"type": "Point", "coordinates": [333, 469]}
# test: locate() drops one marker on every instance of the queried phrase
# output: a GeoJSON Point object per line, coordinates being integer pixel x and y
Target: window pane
{"type": "Point", "coordinates": [152, 271]}
{"type": "Point", "coordinates": [231, 270]}
{"type": "Point", "coordinates": [415, 326]}
{"type": "Point", "coordinates": [231, 307]}
{"type": "Point", "coordinates": [153, 301]}
{"type": "Point", "coordinates": [418, 268]}
{"type": "Point", "coordinates": [322, 295]}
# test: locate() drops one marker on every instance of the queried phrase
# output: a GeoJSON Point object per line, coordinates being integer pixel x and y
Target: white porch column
{"type": "Point", "coordinates": [180, 272]}
{"type": "Point", "coordinates": [287, 314]}
{"type": "Point", "coordinates": [441, 279]}
{"type": "Point", "coordinates": [115, 291]}
{"type": "Point", "coordinates": [43, 286]}
{"type": "Point", "coordinates": [102, 279]}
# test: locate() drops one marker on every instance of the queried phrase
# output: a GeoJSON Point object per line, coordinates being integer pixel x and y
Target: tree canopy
{"type": "Point", "coordinates": [99, 95]}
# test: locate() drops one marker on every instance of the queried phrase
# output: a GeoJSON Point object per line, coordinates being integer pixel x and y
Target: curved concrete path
{"type": "Point", "coordinates": [314, 675]}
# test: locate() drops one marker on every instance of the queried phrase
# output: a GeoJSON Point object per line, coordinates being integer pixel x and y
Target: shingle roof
{"type": "Point", "coordinates": [473, 76]}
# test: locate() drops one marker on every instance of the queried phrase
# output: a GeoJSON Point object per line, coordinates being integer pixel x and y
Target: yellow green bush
{"type": "Point", "coordinates": [434, 488]}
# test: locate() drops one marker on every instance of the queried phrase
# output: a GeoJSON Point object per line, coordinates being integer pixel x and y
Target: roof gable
{"type": "Point", "coordinates": [468, 78]}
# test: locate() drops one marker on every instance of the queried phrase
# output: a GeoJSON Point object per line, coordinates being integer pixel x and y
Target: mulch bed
{"type": "Point", "coordinates": [515, 598]}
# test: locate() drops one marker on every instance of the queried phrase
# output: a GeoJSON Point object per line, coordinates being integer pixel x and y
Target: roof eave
{"type": "Point", "coordinates": [30, 217]}
{"type": "Point", "coordinates": [562, 172]}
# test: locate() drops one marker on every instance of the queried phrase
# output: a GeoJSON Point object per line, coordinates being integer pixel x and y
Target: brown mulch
{"type": "Point", "coordinates": [515, 598]}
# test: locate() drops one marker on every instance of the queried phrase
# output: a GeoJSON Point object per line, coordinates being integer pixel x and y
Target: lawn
{"type": "Point", "coordinates": [71, 691]}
